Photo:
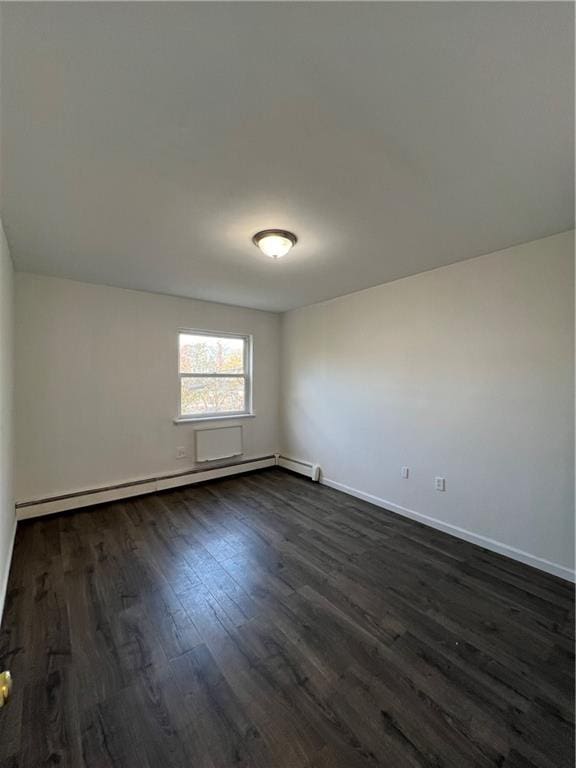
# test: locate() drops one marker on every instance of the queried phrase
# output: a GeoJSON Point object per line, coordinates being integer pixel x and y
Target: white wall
{"type": "Point", "coordinates": [7, 517]}
{"type": "Point", "coordinates": [466, 372]}
{"type": "Point", "coordinates": [98, 389]}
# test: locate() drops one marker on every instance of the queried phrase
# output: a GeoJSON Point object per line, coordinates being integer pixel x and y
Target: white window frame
{"type": "Point", "coordinates": [247, 376]}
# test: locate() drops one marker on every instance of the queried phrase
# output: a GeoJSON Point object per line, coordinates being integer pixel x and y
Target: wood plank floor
{"type": "Point", "coordinates": [267, 622]}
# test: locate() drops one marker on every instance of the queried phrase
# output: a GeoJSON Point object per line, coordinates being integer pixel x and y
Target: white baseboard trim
{"type": "Point", "coordinates": [78, 499]}
{"type": "Point", "coordinates": [461, 533]}
{"type": "Point", "coordinates": [6, 574]}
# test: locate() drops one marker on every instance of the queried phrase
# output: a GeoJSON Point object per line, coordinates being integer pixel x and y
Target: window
{"type": "Point", "coordinates": [214, 374]}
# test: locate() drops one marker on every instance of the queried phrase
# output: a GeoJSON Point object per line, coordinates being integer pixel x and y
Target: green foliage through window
{"type": "Point", "coordinates": [213, 374]}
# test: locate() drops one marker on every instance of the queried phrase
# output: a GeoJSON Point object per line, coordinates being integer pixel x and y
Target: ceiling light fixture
{"type": "Point", "coordinates": [274, 242]}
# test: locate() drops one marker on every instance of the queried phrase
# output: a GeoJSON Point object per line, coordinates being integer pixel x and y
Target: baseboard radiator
{"type": "Point", "coordinates": [86, 498]}
{"type": "Point", "coordinates": [302, 467]}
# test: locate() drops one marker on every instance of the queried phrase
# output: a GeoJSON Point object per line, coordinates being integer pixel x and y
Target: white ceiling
{"type": "Point", "coordinates": [144, 144]}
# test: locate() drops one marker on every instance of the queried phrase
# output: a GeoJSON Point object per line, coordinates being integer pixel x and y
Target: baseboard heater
{"type": "Point", "coordinates": [302, 467]}
{"type": "Point", "coordinates": [63, 503]}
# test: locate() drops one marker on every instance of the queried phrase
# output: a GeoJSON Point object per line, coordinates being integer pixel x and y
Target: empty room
{"type": "Point", "coordinates": [287, 364]}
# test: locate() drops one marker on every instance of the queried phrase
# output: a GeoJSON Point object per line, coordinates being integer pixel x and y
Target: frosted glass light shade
{"type": "Point", "coordinates": [275, 243]}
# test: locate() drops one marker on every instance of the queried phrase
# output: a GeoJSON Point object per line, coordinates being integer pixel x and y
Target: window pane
{"type": "Point", "coordinates": [212, 395]}
{"type": "Point", "coordinates": [211, 354]}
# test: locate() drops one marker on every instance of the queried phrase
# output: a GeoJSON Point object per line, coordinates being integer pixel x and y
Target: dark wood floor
{"type": "Point", "coordinates": [267, 622]}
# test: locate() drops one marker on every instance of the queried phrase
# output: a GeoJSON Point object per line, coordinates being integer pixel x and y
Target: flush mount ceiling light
{"type": "Point", "coordinates": [274, 242]}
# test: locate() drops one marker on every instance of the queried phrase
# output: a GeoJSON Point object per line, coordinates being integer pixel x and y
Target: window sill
{"type": "Point", "coordinates": [226, 417]}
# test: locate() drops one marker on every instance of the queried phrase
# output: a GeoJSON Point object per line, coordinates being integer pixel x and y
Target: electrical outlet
{"type": "Point", "coordinates": [440, 483]}
{"type": "Point", "coordinates": [405, 472]}
{"type": "Point", "coordinates": [181, 452]}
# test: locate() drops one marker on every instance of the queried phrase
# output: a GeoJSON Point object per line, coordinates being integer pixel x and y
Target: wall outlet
{"type": "Point", "coordinates": [405, 472]}
{"type": "Point", "coordinates": [440, 483]}
{"type": "Point", "coordinates": [181, 452]}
